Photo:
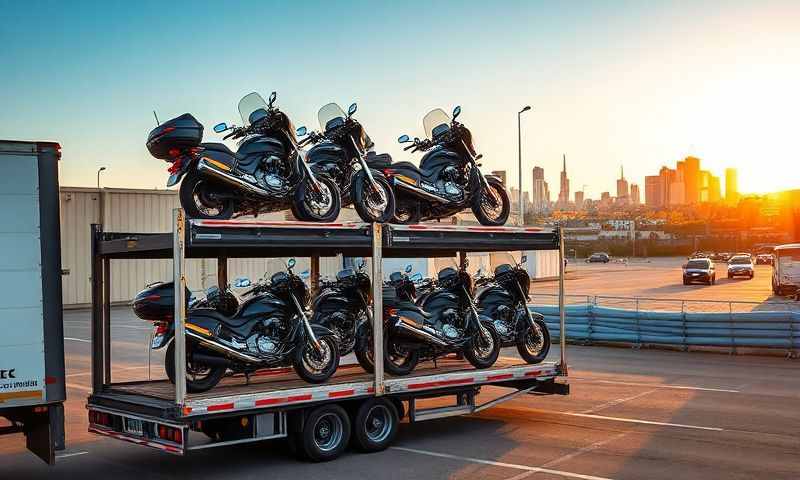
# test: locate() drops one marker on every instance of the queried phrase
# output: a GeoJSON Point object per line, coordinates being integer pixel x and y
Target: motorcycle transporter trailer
{"type": "Point", "coordinates": [318, 419]}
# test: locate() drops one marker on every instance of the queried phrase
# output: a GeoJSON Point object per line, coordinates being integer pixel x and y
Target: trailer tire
{"type": "Point", "coordinates": [325, 434]}
{"type": "Point", "coordinates": [375, 425]}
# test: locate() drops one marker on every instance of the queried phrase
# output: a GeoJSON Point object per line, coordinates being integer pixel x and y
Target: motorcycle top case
{"type": "Point", "coordinates": [156, 303]}
{"type": "Point", "coordinates": [180, 133]}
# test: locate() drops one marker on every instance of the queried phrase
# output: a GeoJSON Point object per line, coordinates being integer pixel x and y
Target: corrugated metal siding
{"type": "Point", "coordinates": [147, 212]}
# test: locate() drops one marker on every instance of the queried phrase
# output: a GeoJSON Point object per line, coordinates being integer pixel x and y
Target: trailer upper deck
{"type": "Point", "coordinates": [250, 238]}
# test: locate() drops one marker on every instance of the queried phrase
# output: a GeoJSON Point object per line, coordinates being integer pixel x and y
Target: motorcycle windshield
{"type": "Point", "coordinates": [330, 116]}
{"type": "Point", "coordinates": [436, 122]}
{"type": "Point", "coordinates": [252, 108]}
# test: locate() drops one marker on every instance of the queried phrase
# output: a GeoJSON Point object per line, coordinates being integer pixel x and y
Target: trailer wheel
{"type": "Point", "coordinates": [375, 425]}
{"type": "Point", "coordinates": [325, 434]}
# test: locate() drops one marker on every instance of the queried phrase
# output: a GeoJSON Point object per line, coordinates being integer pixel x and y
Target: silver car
{"type": "Point", "coordinates": [741, 266]}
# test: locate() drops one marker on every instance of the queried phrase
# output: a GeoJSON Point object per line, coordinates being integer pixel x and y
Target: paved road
{"type": "Point", "coordinates": [631, 415]}
{"type": "Point", "coordinates": [662, 278]}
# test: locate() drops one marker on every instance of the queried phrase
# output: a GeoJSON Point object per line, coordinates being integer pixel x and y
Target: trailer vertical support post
{"type": "Point", "coordinates": [222, 273]}
{"type": "Point", "coordinates": [106, 321]}
{"type": "Point", "coordinates": [561, 308]}
{"type": "Point", "coordinates": [377, 304]}
{"type": "Point", "coordinates": [178, 238]}
{"type": "Point", "coordinates": [97, 311]}
{"type": "Point", "coordinates": [315, 274]}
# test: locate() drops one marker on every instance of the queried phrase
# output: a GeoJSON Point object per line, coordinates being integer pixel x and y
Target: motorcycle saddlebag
{"type": "Point", "coordinates": [156, 303]}
{"type": "Point", "coordinates": [179, 134]}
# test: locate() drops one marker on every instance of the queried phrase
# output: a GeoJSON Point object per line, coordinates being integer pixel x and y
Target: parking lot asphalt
{"type": "Point", "coordinates": [632, 414]}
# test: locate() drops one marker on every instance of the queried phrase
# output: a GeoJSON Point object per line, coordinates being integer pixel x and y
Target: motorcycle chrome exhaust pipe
{"type": "Point", "coordinates": [230, 179]}
{"type": "Point", "coordinates": [419, 334]}
{"type": "Point", "coordinates": [241, 356]}
{"type": "Point", "coordinates": [419, 191]}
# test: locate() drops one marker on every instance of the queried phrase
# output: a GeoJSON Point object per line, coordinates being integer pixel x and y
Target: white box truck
{"type": "Point", "coordinates": [32, 384]}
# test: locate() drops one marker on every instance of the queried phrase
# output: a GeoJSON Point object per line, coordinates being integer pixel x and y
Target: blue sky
{"type": "Point", "coordinates": [634, 83]}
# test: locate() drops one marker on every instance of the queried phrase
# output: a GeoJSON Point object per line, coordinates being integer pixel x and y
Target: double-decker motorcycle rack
{"type": "Point", "coordinates": [151, 405]}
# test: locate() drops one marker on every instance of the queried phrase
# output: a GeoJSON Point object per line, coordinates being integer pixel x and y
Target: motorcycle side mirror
{"type": "Point", "coordinates": [352, 109]}
{"type": "Point", "coordinates": [291, 263]}
{"type": "Point", "coordinates": [301, 131]}
{"type": "Point", "coordinates": [478, 157]}
{"type": "Point", "coordinates": [456, 112]}
{"type": "Point", "coordinates": [403, 139]}
{"type": "Point", "coordinates": [523, 259]}
{"type": "Point", "coordinates": [242, 282]}
{"type": "Point", "coordinates": [416, 278]}
{"type": "Point", "coordinates": [272, 97]}
{"type": "Point", "coordinates": [220, 127]}
{"type": "Point", "coordinates": [408, 268]}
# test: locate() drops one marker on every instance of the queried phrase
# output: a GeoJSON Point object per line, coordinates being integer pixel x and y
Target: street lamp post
{"type": "Point", "coordinates": [519, 151]}
{"type": "Point", "coordinates": [98, 177]}
{"type": "Point", "coordinates": [100, 206]}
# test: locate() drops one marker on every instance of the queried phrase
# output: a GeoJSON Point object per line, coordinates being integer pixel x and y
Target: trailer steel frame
{"type": "Point", "coordinates": [159, 407]}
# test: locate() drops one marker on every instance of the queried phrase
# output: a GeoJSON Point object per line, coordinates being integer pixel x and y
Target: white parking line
{"type": "Point", "coordinates": [644, 422]}
{"type": "Point", "coordinates": [78, 387]}
{"type": "Point", "coordinates": [570, 456]}
{"type": "Point", "coordinates": [527, 468]}
{"type": "Point", "coordinates": [655, 385]}
{"type": "Point", "coordinates": [74, 454]}
{"type": "Point", "coordinates": [115, 369]}
{"type": "Point", "coordinates": [77, 340]}
{"type": "Point", "coordinates": [618, 401]}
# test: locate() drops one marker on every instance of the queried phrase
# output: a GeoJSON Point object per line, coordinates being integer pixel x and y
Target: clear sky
{"type": "Point", "coordinates": [635, 83]}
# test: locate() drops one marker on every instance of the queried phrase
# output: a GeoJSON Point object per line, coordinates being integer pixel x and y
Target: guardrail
{"type": "Point", "coordinates": [588, 320]}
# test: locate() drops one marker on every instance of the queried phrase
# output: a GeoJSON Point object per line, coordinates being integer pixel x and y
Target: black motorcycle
{"type": "Point", "coordinates": [448, 322]}
{"type": "Point", "coordinates": [341, 152]}
{"type": "Point", "coordinates": [504, 299]}
{"type": "Point", "coordinates": [343, 306]}
{"type": "Point", "coordinates": [269, 329]}
{"type": "Point", "coordinates": [448, 179]}
{"type": "Point", "coordinates": [267, 173]}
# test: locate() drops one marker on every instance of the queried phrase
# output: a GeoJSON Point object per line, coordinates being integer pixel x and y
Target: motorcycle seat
{"type": "Point", "coordinates": [233, 322]}
{"type": "Point", "coordinates": [221, 147]}
{"type": "Point", "coordinates": [415, 308]}
{"type": "Point", "coordinates": [413, 171]}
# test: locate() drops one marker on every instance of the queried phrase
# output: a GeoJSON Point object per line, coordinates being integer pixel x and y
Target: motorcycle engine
{"type": "Point", "coordinates": [271, 175]}
{"type": "Point", "coordinates": [503, 320]}
{"type": "Point", "coordinates": [448, 320]}
{"type": "Point", "coordinates": [268, 341]}
{"type": "Point", "coordinates": [450, 331]}
{"type": "Point", "coordinates": [448, 183]}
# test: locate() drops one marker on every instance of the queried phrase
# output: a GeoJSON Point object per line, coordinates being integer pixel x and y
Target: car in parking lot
{"type": "Point", "coordinates": [598, 257]}
{"type": "Point", "coordinates": [699, 270]}
{"type": "Point", "coordinates": [741, 266]}
{"type": "Point", "coordinates": [764, 259]}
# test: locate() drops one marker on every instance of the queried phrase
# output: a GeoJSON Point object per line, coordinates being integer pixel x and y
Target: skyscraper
{"type": "Point", "coordinates": [652, 191]}
{"type": "Point", "coordinates": [622, 187]}
{"type": "Point", "coordinates": [541, 194]}
{"type": "Point", "coordinates": [579, 200]}
{"type": "Point", "coordinates": [563, 193]}
{"type": "Point", "coordinates": [731, 186]}
{"type": "Point", "coordinates": [635, 194]}
{"type": "Point", "coordinates": [691, 179]}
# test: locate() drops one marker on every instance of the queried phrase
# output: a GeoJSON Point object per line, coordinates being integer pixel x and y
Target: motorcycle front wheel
{"type": "Point", "coordinates": [321, 206]}
{"type": "Point", "coordinates": [533, 344]}
{"type": "Point", "coordinates": [491, 206]}
{"type": "Point", "coordinates": [373, 206]}
{"type": "Point", "coordinates": [483, 351]}
{"type": "Point", "coordinates": [199, 377]}
{"type": "Point", "coordinates": [316, 366]}
{"type": "Point", "coordinates": [198, 199]}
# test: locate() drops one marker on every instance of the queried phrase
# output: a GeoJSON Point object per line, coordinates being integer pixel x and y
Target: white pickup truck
{"type": "Point", "coordinates": [32, 388]}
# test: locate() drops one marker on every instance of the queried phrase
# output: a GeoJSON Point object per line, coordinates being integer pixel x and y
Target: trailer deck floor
{"type": "Point", "coordinates": [285, 379]}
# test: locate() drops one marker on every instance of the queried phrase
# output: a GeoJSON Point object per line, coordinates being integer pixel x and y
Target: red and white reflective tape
{"type": "Point", "coordinates": [468, 228]}
{"type": "Point", "coordinates": [285, 224]}
{"type": "Point", "coordinates": [137, 441]}
{"type": "Point", "coordinates": [279, 398]}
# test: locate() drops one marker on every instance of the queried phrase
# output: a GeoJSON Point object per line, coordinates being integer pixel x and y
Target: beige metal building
{"type": "Point", "coordinates": [150, 211]}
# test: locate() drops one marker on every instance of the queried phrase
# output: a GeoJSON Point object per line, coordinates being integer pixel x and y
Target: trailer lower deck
{"type": "Point", "coordinates": [275, 403]}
